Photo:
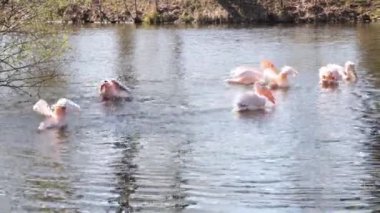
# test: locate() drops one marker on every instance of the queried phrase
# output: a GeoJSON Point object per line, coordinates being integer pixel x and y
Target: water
{"type": "Point", "coordinates": [178, 147]}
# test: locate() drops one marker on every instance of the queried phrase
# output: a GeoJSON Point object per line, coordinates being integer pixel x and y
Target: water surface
{"type": "Point", "coordinates": [178, 147]}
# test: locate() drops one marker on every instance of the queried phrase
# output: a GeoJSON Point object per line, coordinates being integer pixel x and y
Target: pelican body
{"type": "Point", "coordinates": [249, 75]}
{"type": "Point", "coordinates": [56, 115]}
{"type": "Point", "coordinates": [254, 100]}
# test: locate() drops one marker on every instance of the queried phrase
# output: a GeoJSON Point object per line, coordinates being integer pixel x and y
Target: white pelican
{"type": "Point", "coordinates": [114, 90]}
{"type": "Point", "coordinates": [254, 100]}
{"type": "Point", "coordinates": [346, 73]}
{"type": "Point", "coordinates": [331, 74]}
{"type": "Point", "coordinates": [328, 78]}
{"type": "Point", "coordinates": [249, 75]}
{"type": "Point", "coordinates": [57, 114]}
{"type": "Point", "coordinates": [279, 80]}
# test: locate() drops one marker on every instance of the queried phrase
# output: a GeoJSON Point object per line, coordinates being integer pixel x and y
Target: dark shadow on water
{"type": "Point", "coordinates": [111, 106]}
{"type": "Point", "coordinates": [329, 88]}
{"type": "Point", "coordinates": [369, 44]}
{"type": "Point", "coordinates": [62, 134]}
{"type": "Point", "coordinates": [57, 134]}
{"type": "Point", "coordinates": [125, 170]}
{"type": "Point", "coordinates": [126, 71]}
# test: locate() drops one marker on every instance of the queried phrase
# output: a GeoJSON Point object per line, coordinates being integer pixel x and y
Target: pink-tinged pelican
{"type": "Point", "coordinates": [114, 90]}
{"type": "Point", "coordinates": [249, 75]}
{"type": "Point", "coordinates": [254, 100]}
{"type": "Point", "coordinates": [331, 74]}
{"type": "Point", "coordinates": [346, 73]}
{"type": "Point", "coordinates": [279, 80]}
{"type": "Point", "coordinates": [328, 78]}
{"type": "Point", "coordinates": [56, 116]}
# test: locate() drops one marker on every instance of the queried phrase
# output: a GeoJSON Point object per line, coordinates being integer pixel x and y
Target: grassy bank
{"type": "Point", "coordinates": [219, 11]}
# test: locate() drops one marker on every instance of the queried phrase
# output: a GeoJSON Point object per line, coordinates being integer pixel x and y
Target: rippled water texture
{"type": "Point", "coordinates": [178, 147]}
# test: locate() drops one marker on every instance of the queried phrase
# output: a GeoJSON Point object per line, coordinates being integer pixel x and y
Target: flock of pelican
{"type": "Point", "coordinates": [264, 79]}
{"type": "Point", "coordinates": [267, 78]}
{"type": "Point", "coordinates": [56, 115]}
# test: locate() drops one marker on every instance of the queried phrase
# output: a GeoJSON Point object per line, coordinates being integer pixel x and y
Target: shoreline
{"type": "Point", "coordinates": [287, 24]}
{"type": "Point", "coordinates": [220, 12]}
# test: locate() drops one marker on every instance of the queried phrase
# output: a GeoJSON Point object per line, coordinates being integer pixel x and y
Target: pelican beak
{"type": "Point", "coordinates": [267, 93]}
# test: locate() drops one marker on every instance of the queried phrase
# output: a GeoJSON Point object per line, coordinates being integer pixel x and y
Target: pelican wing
{"type": "Point", "coordinates": [70, 105]}
{"type": "Point", "coordinates": [42, 107]}
{"type": "Point", "coordinates": [124, 92]}
{"type": "Point", "coordinates": [47, 124]}
{"type": "Point", "coordinates": [120, 86]}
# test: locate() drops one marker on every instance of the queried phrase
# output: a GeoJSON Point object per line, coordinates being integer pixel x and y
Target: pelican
{"type": "Point", "coordinates": [55, 117]}
{"type": "Point", "coordinates": [114, 90]}
{"type": "Point", "coordinates": [254, 100]}
{"type": "Point", "coordinates": [248, 75]}
{"type": "Point", "coordinates": [346, 73]}
{"type": "Point", "coordinates": [279, 80]}
{"type": "Point", "coordinates": [331, 74]}
{"type": "Point", "coordinates": [328, 78]}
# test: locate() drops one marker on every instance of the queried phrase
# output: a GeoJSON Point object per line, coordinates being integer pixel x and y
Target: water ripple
{"type": "Point", "coordinates": [178, 147]}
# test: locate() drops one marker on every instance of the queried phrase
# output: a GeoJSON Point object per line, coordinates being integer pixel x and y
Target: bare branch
{"type": "Point", "coordinates": [28, 48]}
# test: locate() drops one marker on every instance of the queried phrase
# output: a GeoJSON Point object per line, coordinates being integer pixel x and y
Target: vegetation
{"type": "Point", "coordinates": [28, 47]}
{"type": "Point", "coordinates": [219, 11]}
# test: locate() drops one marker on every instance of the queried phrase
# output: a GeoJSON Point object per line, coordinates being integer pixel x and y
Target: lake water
{"type": "Point", "coordinates": [178, 147]}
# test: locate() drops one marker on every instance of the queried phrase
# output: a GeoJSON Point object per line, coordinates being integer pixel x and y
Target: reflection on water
{"type": "Point", "coordinates": [178, 146]}
{"type": "Point", "coordinates": [370, 116]}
